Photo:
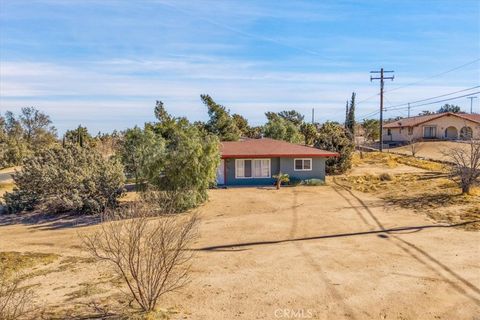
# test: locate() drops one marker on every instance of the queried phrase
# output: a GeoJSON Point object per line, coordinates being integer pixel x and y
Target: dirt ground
{"type": "Point", "coordinates": [434, 150]}
{"type": "Point", "coordinates": [298, 253]}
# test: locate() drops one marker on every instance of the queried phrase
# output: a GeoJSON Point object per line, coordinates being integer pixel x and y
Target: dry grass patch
{"type": "Point", "coordinates": [18, 261]}
{"type": "Point", "coordinates": [390, 160]}
{"type": "Point", "coordinates": [375, 158]}
{"type": "Point", "coordinates": [431, 193]}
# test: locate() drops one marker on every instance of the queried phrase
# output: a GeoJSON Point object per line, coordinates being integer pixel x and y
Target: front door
{"type": "Point", "coordinates": [221, 172]}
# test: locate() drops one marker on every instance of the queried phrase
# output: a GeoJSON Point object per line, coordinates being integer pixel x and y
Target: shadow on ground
{"type": "Point", "coordinates": [42, 221]}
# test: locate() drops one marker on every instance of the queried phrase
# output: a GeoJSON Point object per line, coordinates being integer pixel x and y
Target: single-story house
{"type": "Point", "coordinates": [447, 126]}
{"type": "Point", "coordinates": [256, 161]}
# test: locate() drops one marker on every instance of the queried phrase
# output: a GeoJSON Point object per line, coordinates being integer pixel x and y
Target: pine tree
{"type": "Point", "coordinates": [351, 116]}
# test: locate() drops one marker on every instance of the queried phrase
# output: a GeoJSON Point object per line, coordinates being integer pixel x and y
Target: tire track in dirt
{"type": "Point", "coordinates": [331, 293]}
{"type": "Point", "coordinates": [420, 255]}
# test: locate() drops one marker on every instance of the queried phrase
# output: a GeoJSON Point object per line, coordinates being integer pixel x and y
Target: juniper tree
{"type": "Point", "coordinates": [333, 137]}
{"type": "Point", "coordinates": [69, 178]}
{"type": "Point", "coordinates": [221, 122]}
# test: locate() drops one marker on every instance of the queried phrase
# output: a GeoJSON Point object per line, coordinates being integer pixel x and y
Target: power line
{"type": "Point", "coordinates": [438, 101]}
{"type": "Point", "coordinates": [382, 79]}
{"type": "Point", "coordinates": [424, 79]}
{"type": "Point", "coordinates": [471, 102]}
{"type": "Point", "coordinates": [435, 75]}
{"type": "Point", "coordinates": [409, 105]}
{"type": "Point", "coordinates": [435, 97]}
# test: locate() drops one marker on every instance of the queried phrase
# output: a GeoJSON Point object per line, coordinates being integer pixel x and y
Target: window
{"type": "Point", "coordinates": [303, 164]}
{"type": "Point", "coordinates": [252, 168]}
{"type": "Point", "coordinates": [410, 131]}
{"type": "Point", "coordinates": [429, 132]}
{"type": "Point", "coordinates": [389, 132]}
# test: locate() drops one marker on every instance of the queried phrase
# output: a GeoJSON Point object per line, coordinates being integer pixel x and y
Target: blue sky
{"type": "Point", "coordinates": [104, 63]}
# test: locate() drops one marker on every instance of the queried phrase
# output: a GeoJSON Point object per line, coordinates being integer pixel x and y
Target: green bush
{"type": "Point", "coordinates": [314, 182]}
{"type": "Point", "coordinates": [173, 160]}
{"type": "Point", "coordinates": [334, 137]}
{"type": "Point", "coordinates": [67, 178]}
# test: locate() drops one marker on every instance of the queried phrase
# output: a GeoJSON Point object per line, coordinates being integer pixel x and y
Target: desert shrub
{"type": "Point", "coordinates": [333, 137]}
{"type": "Point", "coordinates": [465, 168]}
{"type": "Point", "coordinates": [313, 182]}
{"type": "Point", "coordinates": [281, 178]}
{"type": "Point", "coordinates": [149, 254]}
{"type": "Point", "coordinates": [16, 300]}
{"type": "Point", "coordinates": [169, 201]}
{"type": "Point", "coordinates": [67, 178]}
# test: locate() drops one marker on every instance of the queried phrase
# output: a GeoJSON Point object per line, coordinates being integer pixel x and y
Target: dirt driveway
{"type": "Point", "coordinates": [299, 253]}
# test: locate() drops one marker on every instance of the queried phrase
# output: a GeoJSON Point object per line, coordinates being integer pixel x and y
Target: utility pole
{"type": "Point", "coordinates": [471, 103]}
{"type": "Point", "coordinates": [382, 82]}
{"type": "Point", "coordinates": [313, 115]}
{"type": "Point", "coordinates": [409, 109]}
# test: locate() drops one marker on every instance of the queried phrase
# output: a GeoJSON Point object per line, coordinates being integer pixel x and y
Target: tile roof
{"type": "Point", "coordinates": [259, 148]}
{"type": "Point", "coordinates": [415, 121]}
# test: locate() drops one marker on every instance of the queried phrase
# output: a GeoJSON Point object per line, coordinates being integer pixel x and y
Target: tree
{"type": "Point", "coordinates": [38, 128]}
{"type": "Point", "coordinates": [449, 108]}
{"type": "Point", "coordinates": [220, 123]}
{"type": "Point", "coordinates": [3, 142]}
{"type": "Point", "coordinates": [465, 167]}
{"type": "Point", "coordinates": [280, 129]}
{"type": "Point", "coordinates": [108, 144]}
{"type": "Point", "coordinates": [151, 256]}
{"type": "Point", "coordinates": [371, 129]}
{"type": "Point", "coordinates": [293, 116]}
{"type": "Point", "coordinates": [334, 137]}
{"type": "Point", "coordinates": [16, 147]}
{"type": "Point", "coordinates": [309, 132]}
{"type": "Point", "coordinates": [241, 123]}
{"type": "Point", "coordinates": [350, 123]}
{"type": "Point", "coordinates": [254, 132]}
{"type": "Point", "coordinates": [187, 164]}
{"type": "Point", "coordinates": [138, 148]}
{"type": "Point", "coordinates": [425, 113]}
{"type": "Point", "coordinates": [79, 136]}
{"type": "Point", "coordinates": [23, 135]}
{"type": "Point", "coordinates": [66, 179]}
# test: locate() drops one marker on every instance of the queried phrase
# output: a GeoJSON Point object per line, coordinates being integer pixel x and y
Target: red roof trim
{"type": "Point", "coordinates": [288, 155]}
{"type": "Point", "coordinates": [394, 124]}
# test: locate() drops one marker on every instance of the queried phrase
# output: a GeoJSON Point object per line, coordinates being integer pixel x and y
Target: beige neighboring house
{"type": "Point", "coordinates": [445, 126]}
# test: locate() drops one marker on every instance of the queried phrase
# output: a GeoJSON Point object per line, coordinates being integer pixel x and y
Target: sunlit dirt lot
{"type": "Point", "coordinates": [328, 252]}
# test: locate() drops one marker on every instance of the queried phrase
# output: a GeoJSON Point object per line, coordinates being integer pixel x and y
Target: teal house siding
{"type": "Point", "coordinates": [284, 165]}
{"type": "Point", "coordinates": [287, 166]}
{"type": "Point", "coordinates": [282, 156]}
{"type": "Point", "coordinates": [232, 181]}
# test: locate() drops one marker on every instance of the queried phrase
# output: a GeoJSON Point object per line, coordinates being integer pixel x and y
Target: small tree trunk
{"type": "Point", "coordinates": [279, 182]}
{"type": "Point", "coordinates": [465, 189]}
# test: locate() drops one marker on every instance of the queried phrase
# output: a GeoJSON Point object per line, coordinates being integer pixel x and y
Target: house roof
{"type": "Point", "coordinates": [418, 120]}
{"type": "Point", "coordinates": [267, 148]}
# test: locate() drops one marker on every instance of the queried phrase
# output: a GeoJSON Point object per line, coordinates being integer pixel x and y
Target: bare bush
{"type": "Point", "coordinates": [465, 167]}
{"type": "Point", "coordinates": [414, 145]}
{"type": "Point", "coordinates": [150, 254]}
{"type": "Point", "coordinates": [16, 301]}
